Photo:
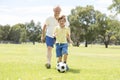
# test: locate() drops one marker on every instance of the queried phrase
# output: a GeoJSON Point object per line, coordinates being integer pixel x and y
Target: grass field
{"type": "Point", "coordinates": [26, 62]}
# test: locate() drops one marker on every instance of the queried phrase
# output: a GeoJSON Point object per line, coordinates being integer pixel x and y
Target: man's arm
{"type": "Point", "coordinates": [43, 33]}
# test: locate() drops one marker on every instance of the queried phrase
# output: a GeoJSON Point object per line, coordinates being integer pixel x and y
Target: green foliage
{"type": "Point", "coordinates": [4, 32]}
{"type": "Point", "coordinates": [33, 31]}
{"type": "Point", "coordinates": [115, 6]}
{"type": "Point", "coordinates": [90, 26]}
{"type": "Point", "coordinates": [1, 32]}
{"type": "Point", "coordinates": [82, 20]}
{"type": "Point", "coordinates": [18, 33]}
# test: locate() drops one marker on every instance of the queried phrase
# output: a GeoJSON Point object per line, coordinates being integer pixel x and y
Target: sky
{"type": "Point", "coordinates": [22, 11]}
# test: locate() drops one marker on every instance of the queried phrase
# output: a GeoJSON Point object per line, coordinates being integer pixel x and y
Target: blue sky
{"type": "Point", "coordinates": [21, 11]}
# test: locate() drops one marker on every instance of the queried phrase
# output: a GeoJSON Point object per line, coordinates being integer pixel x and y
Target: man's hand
{"type": "Point", "coordinates": [42, 39]}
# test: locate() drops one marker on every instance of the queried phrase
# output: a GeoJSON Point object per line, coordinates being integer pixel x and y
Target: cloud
{"type": "Point", "coordinates": [21, 14]}
{"type": "Point", "coordinates": [102, 5]}
{"type": "Point", "coordinates": [25, 14]}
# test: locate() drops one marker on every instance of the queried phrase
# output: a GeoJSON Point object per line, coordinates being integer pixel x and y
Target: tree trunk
{"type": "Point", "coordinates": [106, 44]}
{"type": "Point", "coordinates": [77, 43]}
{"type": "Point", "coordinates": [33, 42]}
{"type": "Point", "coordinates": [86, 45]}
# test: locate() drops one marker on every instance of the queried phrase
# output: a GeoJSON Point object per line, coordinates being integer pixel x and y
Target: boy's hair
{"type": "Point", "coordinates": [62, 17]}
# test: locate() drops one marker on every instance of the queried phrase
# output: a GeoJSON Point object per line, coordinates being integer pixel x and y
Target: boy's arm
{"type": "Point", "coordinates": [54, 32]}
{"type": "Point", "coordinates": [69, 37]}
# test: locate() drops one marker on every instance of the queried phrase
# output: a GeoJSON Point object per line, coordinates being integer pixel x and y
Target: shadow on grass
{"type": "Point", "coordinates": [74, 70]}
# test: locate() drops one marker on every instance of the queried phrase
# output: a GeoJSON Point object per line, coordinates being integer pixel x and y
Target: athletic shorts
{"type": "Point", "coordinates": [50, 41]}
{"type": "Point", "coordinates": [61, 49]}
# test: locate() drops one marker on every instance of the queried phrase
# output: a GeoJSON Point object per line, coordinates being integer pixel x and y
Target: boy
{"type": "Point", "coordinates": [62, 33]}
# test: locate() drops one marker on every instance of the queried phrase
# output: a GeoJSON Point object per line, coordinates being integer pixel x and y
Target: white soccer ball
{"type": "Point", "coordinates": [61, 67]}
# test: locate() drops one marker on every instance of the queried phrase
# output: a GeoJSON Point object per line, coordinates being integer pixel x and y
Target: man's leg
{"type": "Point", "coordinates": [49, 56]}
{"type": "Point", "coordinates": [49, 43]}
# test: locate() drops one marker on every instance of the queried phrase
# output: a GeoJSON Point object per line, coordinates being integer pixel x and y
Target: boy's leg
{"type": "Point", "coordinates": [65, 53]}
{"type": "Point", "coordinates": [65, 58]}
{"type": "Point", "coordinates": [58, 53]}
{"type": "Point", "coordinates": [59, 59]}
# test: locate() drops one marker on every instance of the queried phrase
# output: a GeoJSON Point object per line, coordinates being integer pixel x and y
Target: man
{"type": "Point", "coordinates": [50, 24]}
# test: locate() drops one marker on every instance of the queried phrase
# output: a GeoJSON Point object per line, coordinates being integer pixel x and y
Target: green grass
{"type": "Point", "coordinates": [26, 62]}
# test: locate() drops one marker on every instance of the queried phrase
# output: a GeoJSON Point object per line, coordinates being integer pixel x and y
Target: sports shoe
{"type": "Point", "coordinates": [48, 66]}
{"type": "Point", "coordinates": [67, 68]}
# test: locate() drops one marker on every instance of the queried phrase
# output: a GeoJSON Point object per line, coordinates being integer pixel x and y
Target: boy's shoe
{"type": "Point", "coordinates": [67, 68]}
{"type": "Point", "coordinates": [48, 66]}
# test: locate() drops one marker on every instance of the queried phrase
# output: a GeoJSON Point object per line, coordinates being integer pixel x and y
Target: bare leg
{"type": "Point", "coordinates": [59, 59]}
{"type": "Point", "coordinates": [49, 54]}
{"type": "Point", "coordinates": [65, 58]}
{"type": "Point", "coordinates": [65, 61]}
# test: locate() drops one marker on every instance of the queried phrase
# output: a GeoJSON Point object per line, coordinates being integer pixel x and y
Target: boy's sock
{"type": "Point", "coordinates": [65, 62]}
{"type": "Point", "coordinates": [58, 61]}
{"type": "Point", "coordinates": [66, 65]}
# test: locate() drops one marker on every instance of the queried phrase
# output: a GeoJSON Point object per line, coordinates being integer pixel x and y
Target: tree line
{"type": "Point", "coordinates": [19, 33]}
{"type": "Point", "coordinates": [91, 26]}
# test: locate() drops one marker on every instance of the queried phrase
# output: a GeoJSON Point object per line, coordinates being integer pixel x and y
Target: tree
{"type": "Point", "coordinates": [18, 33]}
{"type": "Point", "coordinates": [33, 31]}
{"type": "Point", "coordinates": [115, 30]}
{"type": "Point", "coordinates": [81, 21]}
{"type": "Point", "coordinates": [115, 6]}
{"type": "Point", "coordinates": [107, 28]}
{"type": "Point", "coordinates": [6, 30]}
{"type": "Point", "coordinates": [1, 32]}
{"type": "Point", "coordinates": [38, 32]}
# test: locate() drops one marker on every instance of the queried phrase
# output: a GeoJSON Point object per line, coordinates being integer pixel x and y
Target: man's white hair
{"type": "Point", "coordinates": [57, 8]}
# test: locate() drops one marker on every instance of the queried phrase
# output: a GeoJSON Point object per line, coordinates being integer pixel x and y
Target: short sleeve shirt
{"type": "Point", "coordinates": [61, 34]}
{"type": "Point", "coordinates": [51, 23]}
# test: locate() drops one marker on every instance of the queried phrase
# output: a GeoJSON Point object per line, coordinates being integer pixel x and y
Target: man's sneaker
{"type": "Point", "coordinates": [67, 68]}
{"type": "Point", "coordinates": [48, 66]}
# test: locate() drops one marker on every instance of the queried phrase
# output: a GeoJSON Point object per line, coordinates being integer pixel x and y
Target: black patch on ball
{"type": "Point", "coordinates": [62, 67]}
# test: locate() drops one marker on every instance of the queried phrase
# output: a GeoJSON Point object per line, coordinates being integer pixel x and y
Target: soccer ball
{"type": "Point", "coordinates": [61, 67]}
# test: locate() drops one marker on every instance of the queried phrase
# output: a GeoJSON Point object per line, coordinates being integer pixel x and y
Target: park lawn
{"type": "Point", "coordinates": [26, 62]}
